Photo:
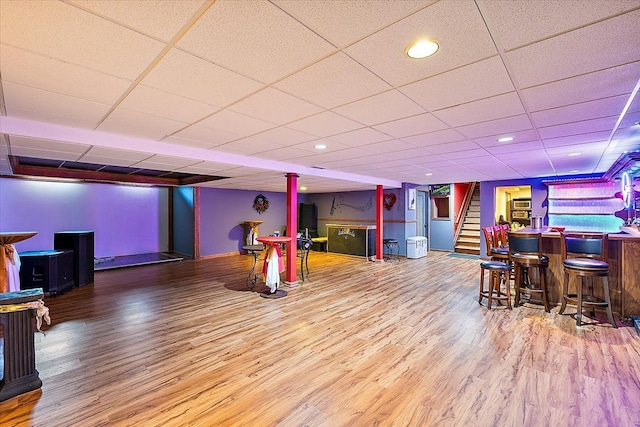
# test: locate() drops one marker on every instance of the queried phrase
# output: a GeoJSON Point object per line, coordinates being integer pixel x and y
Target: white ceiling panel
{"type": "Point", "coordinates": [52, 107]}
{"type": "Point", "coordinates": [184, 74]}
{"type": "Point", "coordinates": [64, 32]}
{"type": "Point", "coordinates": [385, 107]}
{"type": "Point", "coordinates": [360, 137]}
{"type": "Point", "coordinates": [248, 146]}
{"type": "Point", "coordinates": [580, 112]}
{"type": "Point", "coordinates": [411, 126]}
{"type": "Point", "coordinates": [502, 126]}
{"type": "Point", "coordinates": [232, 123]}
{"type": "Point", "coordinates": [134, 123]}
{"type": "Point", "coordinates": [111, 156]}
{"type": "Point", "coordinates": [202, 137]}
{"type": "Point", "coordinates": [518, 137]}
{"type": "Point", "coordinates": [324, 124]}
{"type": "Point", "coordinates": [482, 79]}
{"type": "Point", "coordinates": [160, 19]}
{"type": "Point", "coordinates": [577, 128]}
{"type": "Point", "coordinates": [457, 25]}
{"type": "Point", "coordinates": [577, 139]}
{"type": "Point", "coordinates": [568, 55]}
{"type": "Point", "coordinates": [155, 102]}
{"type": "Point", "coordinates": [512, 147]}
{"type": "Point", "coordinates": [168, 163]}
{"type": "Point", "coordinates": [275, 106]}
{"type": "Point", "coordinates": [343, 22]}
{"type": "Point", "coordinates": [285, 136]}
{"type": "Point", "coordinates": [52, 75]}
{"type": "Point", "coordinates": [493, 108]}
{"type": "Point", "coordinates": [334, 81]}
{"type": "Point", "coordinates": [255, 39]}
{"type": "Point", "coordinates": [434, 138]}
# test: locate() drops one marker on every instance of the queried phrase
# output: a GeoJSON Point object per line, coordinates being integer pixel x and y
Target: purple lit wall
{"type": "Point", "coordinates": [126, 220]}
{"type": "Point", "coordinates": [222, 212]}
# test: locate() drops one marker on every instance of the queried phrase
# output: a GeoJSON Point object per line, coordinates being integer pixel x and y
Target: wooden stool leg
{"type": "Point", "coordinates": [607, 298]}
{"type": "Point", "coordinates": [518, 278]}
{"type": "Point", "coordinates": [565, 292]}
{"type": "Point", "coordinates": [579, 313]}
{"type": "Point", "coordinates": [481, 285]}
{"type": "Point", "coordinates": [491, 287]}
{"type": "Point", "coordinates": [543, 285]}
{"type": "Point", "coordinates": [508, 287]}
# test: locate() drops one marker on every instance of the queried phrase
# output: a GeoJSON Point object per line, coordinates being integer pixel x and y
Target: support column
{"type": "Point", "coordinates": [292, 228]}
{"type": "Point", "coordinates": [379, 222]}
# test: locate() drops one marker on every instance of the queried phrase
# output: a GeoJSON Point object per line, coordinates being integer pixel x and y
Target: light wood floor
{"type": "Point", "coordinates": [358, 344]}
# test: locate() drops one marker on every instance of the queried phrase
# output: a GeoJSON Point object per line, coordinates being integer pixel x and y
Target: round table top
{"type": "Point", "coordinates": [253, 248]}
{"type": "Point", "coordinates": [15, 237]}
{"type": "Point", "coordinates": [272, 240]}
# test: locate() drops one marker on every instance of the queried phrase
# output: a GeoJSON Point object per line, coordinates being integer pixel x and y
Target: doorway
{"type": "Point", "coordinates": [513, 206]}
{"type": "Point", "coordinates": [422, 214]}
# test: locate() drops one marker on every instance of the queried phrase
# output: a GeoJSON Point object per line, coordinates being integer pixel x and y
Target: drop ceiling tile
{"type": "Point", "coordinates": [476, 159]}
{"type": "Point", "coordinates": [133, 123]}
{"type": "Point", "coordinates": [572, 53]}
{"type": "Point", "coordinates": [254, 38]}
{"type": "Point", "coordinates": [482, 79]}
{"type": "Point", "coordinates": [275, 106]}
{"type": "Point", "coordinates": [160, 19]}
{"type": "Point", "coordinates": [387, 146]}
{"type": "Point", "coordinates": [52, 75]}
{"type": "Point", "coordinates": [283, 154]}
{"type": "Point", "coordinates": [35, 104]}
{"type": "Point", "coordinates": [580, 112]}
{"type": "Point", "coordinates": [602, 84]}
{"type": "Point", "coordinates": [410, 126]}
{"type": "Point", "coordinates": [457, 25]}
{"type": "Point", "coordinates": [385, 107]}
{"type": "Point", "coordinates": [434, 138]}
{"type": "Point", "coordinates": [148, 100]}
{"type": "Point", "coordinates": [234, 123]}
{"type": "Point", "coordinates": [360, 137]}
{"type": "Point", "coordinates": [496, 127]}
{"type": "Point", "coordinates": [186, 75]}
{"type": "Point", "coordinates": [285, 136]}
{"type": "Point", "coordinates": [518, 137]}
{"type": "Point", "coordinates": [334, 81]}
{"type": "Point", "coordinates": [324, 124]}
{"type": "Point", "coordinates": [464, 154]}
{"type": "Point", "coordinates": [577, 139]}
{"type": "Point", "coordinates": [112, 156]}
{"type": "Point", "coordinates": [62, 31]}
{"type": "Point", "coordinates": [452, 147]}
{"type": "Point", "coordinates": [248, 146]}
{"type": "Point", "coordinates": [343, 22]}
{"type": "Point", "coordinates": [483, 110]}
{"type": "Point", "coordinates": [45, 153]}
{"type": "Point", "coordinates": [207, 168]}
{"type": "Point", "coordinates": [203, 137]}
{"type": "Point", "coordinates": [186, 142]}
{"type": "Point", "coordinates": [511, 147]}
{"type": "Point", "coordinates": [521, 22]}
{"type": "Point", "coordinates": [168, 163]}
{"type": "Point", "coordinates": [75, 150]}
{"type": "Point", "coordinates": [577, 128]}
{"type": "Point", "coordinates": [584, 150]}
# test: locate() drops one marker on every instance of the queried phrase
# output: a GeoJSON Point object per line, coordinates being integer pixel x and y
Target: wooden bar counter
{"type": "Point", "coordinates": [624, 271]}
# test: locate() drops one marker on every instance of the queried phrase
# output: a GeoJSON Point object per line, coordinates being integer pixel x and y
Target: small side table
{"type": "Point", "coordinates": [273, 241]}
{"type": "Point", "coordinates": [254, 250]}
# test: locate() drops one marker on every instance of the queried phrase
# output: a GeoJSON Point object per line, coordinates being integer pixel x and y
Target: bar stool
{"type": "Point", "coordinates": [584, 256]}
{"type": "Point", "coordinates": [525, 254]}
{"type": "Point", "coordinates": [389, 244]}
{"type": "Point", "coordinates": [494, 250]}
{"type": "Point", "coordinates": [498, 272]}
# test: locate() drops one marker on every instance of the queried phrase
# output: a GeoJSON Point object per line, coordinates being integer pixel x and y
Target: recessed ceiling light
{"type": "Point", "coordinates": [428, 174]}
{"type": "Point", "coordinates": [505, 139]}
{"type": "Point", "coordinates": [574, 171]}
{"type": "Point", "coordinates": [303, 188]}
{"type": "Point", "coordinates": [422, 49]}
{"type": "Point", "coordinates": [320, 146]}
{"type": "Point", "coordinates": [575, 154]}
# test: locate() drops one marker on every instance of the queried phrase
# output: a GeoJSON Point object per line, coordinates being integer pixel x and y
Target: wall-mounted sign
{"type": "Point", "coordinates": [627, 190]}
{"type": "Point", "coordinates": [441, 190]}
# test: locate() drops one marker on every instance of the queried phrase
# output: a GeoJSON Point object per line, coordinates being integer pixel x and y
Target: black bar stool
{"type": "Point", "coordinates": [389, 244]}
{"type": "Point", "coordinates": [525, 254]}
{"type": "Point", "coordinates": [585, 256]}
{"type": "Point", "coordinates": [498, 273]}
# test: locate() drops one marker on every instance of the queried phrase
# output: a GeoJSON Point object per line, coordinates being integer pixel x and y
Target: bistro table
{"type": "Point", "coordinates": [273, 264]}
{"type": "Point", "coordinates": [10, 261]}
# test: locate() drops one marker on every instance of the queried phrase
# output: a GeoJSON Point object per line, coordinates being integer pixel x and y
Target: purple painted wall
{"type": "Point", "coordinates": [223, 211]}
{"type": "Point", "coordinates": [126, 220]}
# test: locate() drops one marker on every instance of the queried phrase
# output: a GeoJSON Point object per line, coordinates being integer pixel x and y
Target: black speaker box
{"type": "Point", "coordinates": [82, 244]}
{"type": "Point", "coordinates": [50, 270]}
{"type": "Point", "coordinates": [307, 216]}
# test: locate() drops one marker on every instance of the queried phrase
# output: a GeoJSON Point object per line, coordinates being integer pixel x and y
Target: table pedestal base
{"type": "Point", "coordinates": [279, 293]}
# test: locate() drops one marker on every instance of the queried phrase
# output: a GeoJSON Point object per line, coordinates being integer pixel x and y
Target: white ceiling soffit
{"type": "Point", "coordinates": [248, 89]}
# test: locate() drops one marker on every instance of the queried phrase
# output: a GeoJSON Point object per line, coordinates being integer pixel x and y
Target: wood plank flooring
{"type": "Point", "coordinates": [358, 344]}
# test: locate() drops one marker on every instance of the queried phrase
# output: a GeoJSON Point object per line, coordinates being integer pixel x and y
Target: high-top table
{"type": "Point", "coordinates": [9, 270]}
{"type": "Point", "coordinates": [271, 261]}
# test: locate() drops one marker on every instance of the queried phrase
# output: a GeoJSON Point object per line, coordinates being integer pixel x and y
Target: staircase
{"type": "Point", "coordinates": [469, 239]}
